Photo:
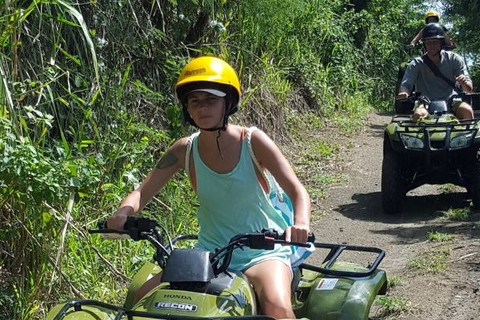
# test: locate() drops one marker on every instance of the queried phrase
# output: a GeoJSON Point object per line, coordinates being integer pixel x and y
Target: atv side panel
{"type": "Point", "coordinates": [236, 298]}
{"type": "Point", "coordinates": [322, 297]}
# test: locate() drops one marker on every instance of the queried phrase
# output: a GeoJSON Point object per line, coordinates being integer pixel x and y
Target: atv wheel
{"type": "Point", "coordinates": [393, 189]}
{"type": "Point", "coordinates": [474, 189]}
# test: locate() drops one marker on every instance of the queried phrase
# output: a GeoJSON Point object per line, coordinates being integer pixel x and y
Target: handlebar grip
{"type": "Point", "coordinates": [107, 233]}
{"type": "Point", "coordinates": [131, 223]}
{"type": "Point", "coordinates": [133, 228]}
{"type": "Point", "coordinates": [281, 235]}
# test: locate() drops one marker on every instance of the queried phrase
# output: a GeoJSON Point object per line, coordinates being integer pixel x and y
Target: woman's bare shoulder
{"type": "Point", "coordinates": [178, 150]}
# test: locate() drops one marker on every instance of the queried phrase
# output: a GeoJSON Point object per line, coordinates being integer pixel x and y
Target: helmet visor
{"type": "Point", "coordinates": [217, 93]}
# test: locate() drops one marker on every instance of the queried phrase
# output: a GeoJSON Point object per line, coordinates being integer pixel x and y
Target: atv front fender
{"type": "Point", "coordinates": [330, 298]}
{"type": "Point", "coordinates": [92, 312]}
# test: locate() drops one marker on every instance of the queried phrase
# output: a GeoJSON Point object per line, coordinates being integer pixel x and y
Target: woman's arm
{"type": "Point", "coordinates": [417, 38]}
{"type": "Point", "coordinates": [270, 157]}
{"type": "Point", "coordinates": [171, 162]}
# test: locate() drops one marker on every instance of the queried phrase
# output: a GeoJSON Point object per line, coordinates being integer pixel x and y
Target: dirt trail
{"type": "Point", "coordinates": [352, 213]}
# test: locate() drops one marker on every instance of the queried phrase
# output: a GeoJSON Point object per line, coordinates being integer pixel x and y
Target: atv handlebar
{"type": "Point", "coordinates": [139, 228]}
{"type": "Point", "coordinates": [414, 96]}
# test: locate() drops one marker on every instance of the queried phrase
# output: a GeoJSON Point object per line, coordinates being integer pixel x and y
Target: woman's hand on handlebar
{"type": "Point", "coordinates": [402, 96]}
{"type": "Point", "coordinates": [118, 219]}
{"type": "Point", "coordinates": [297, 233]}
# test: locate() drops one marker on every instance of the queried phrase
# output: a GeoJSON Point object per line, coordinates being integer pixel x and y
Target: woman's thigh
{"type": "Point", "coordinates": [271, 280]}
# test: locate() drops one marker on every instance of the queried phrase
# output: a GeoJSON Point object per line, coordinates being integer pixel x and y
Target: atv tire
{"type": "Point", "coordinates": [393, 188]}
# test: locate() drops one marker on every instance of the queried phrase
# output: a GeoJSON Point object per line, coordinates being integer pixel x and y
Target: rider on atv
{"type": "Point", "coordinates": [438, 75]}
{"type": "Point", "coordinates": [233, 196]}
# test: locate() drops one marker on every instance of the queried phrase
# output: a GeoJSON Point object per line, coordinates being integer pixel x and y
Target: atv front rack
{"type": "Point", "coordinates": [120, 313]}
{"type": "Point", "coordinates": [328, 265]}
{"type": "Point", "coordinates": [406, 121]}
{"type": "Point", "coordinates": [444, 131]}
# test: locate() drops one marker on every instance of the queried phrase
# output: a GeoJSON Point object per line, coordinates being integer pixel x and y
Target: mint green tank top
{"type": "Point", "coordinates": [233, 203]}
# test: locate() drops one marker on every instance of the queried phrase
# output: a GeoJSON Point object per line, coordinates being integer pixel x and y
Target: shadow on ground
{"type": "Point", "coordinates": [417, 210]}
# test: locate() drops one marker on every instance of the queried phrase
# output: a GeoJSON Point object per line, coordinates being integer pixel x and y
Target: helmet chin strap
{"type": "Point", "coordinates": [222, 128]}
{"type": "Point", "coordinates": [219, 130]}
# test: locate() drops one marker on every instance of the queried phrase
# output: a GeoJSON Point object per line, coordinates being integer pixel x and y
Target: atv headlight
{"type": "Point", "coordinates": [411, 142]}
{"type": "Point", "coordinates": [460, 141]}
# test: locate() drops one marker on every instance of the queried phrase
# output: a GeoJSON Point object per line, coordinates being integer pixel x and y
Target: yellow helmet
{"type": "Point", "coordinates": [432, 14]}
{"type": "Point", "coordinates": [210, 74]}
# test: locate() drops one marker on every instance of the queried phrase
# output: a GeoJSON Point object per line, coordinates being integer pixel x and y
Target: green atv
{"type": "Point", "coordinates": [437, 149]}
{"type": "Point", "coordinates": [198, 285]}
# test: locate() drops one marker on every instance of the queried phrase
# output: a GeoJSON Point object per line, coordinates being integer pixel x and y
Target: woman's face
{"type": "Point", "coordinates": [207, 110]}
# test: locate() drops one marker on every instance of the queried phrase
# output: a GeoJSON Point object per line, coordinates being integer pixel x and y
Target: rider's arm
{"type": "Point", "coordinates": [270, 157]}
{"type": "Point", "coordinates": [417, 38]}
{"type": "Point", "coordinates": [408, 80]}
{"type": "Point", "coordinates": [465, 83]}
{"type": "Point", "coordinates": [169, 164]}
{"type": "Point", "coordinates": [463, 78]}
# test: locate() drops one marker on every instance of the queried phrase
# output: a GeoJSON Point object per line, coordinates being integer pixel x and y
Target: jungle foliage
{"type": "Point", "coordinates": [464, 16]}
{"type": "Point", "coordinates": [87, 108]}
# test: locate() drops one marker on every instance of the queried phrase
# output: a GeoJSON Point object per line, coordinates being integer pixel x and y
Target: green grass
{"type": "Point", "coordinates": [392, 306]}
{"type": "Point", "coordinates": [447, 188]}
{"type": "Point", "coordinates": [394, 281]}
{"type": "Point", "coordinates": [431, 262]}
{"type": "Point", "coordinates": [325, 149]}
{"type": "Point", "coordinates": [348, 125]}
{"type": "Point", "coordinates": [439, 236]}
{"type": "Point", "coordinates": [457, 214]}
{"type": "Point", "coordinates": [299, 123]}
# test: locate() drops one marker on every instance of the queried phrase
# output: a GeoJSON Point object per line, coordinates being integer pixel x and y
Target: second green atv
{"type": "Point", "coordinates": [437, 149]}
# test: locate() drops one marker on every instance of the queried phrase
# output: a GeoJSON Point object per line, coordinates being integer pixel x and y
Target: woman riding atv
{"type": "Point", "coordinates": [438, 75]}
{"type": "Point", "coordinates": [232, 193]}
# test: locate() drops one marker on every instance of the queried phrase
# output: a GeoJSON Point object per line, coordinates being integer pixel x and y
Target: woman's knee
{"type": "Point", "coordinates": [420, 112]}
{"type": "Point", "coordinates": [464, 111]}
{"type": "Point", "coordinates": [279, 311]}
{"type": "Point", "coordinates": [272, 283]}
